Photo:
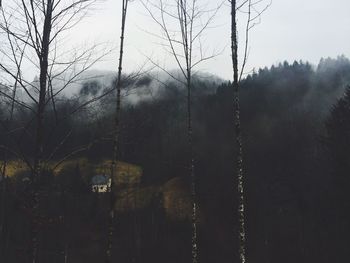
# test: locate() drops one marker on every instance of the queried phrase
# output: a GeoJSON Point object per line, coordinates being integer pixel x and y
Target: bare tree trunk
{"type": "Point", "coordinates": [43, 57]}
{"type": "Point", "coordinates": [239, 143]}
{"type": "Point", "coordinates": [194, 216]}
{"type": "Point", "coordinates": [192, 21]}
{"type": "Point", "coordinates": [187, 42]}
{"type": "Point", "coordinates": [116, 135]}
{"type": "Point", "coordinates": [37, 168]}
{"type": "Point", "coordinates": [253, 13]}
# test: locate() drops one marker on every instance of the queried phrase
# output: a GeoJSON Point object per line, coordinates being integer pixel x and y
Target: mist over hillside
{"type": "Point", "coordinates": [93, 84]}
{"type": "Point", "coordinates": [291, 183]}
{"type": "Point", "coordinates": [319, 84]}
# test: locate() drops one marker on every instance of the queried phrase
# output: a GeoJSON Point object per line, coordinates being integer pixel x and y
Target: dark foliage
{"type": "Point", "coordinates": [296, 128]}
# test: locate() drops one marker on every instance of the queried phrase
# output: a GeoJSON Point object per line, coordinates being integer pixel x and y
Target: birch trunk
{"type": "Point", "coordinates": [238, 142]}
{"type": "Point", "coordinates": [192, 172]}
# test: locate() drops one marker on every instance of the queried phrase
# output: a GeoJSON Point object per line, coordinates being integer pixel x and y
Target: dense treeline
{"type": "Point", "coordinates": [295, 121]}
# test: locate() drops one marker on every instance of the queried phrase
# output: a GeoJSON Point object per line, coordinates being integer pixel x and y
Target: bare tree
{"type": "Point", "coordinates": [116, 132]}
{"type": "Point", "coordinates": [32, 30]}
{"type": "Point", "coordinates": [182, 24]}
{"type": "Point", "coordinates": [253, 18]}
{"type": "Point", "coordinates": [237, 122]}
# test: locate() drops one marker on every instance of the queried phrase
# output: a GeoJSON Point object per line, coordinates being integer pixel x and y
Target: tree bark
{"type": "Point", "coordinates": [194, 215]}
{"type": "Point", "coordinates": [37, 168]}
{"type": "Point", "coordinates": [238, 138]}
{"type": "Point", "coordinates": [116, 136]}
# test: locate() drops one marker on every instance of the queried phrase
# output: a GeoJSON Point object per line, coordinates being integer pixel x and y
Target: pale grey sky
{"type": "Point", "coordinates": [289, 30]}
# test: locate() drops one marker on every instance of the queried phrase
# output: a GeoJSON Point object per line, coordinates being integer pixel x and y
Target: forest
{"type": "Point", "coordinates": [178, 166]}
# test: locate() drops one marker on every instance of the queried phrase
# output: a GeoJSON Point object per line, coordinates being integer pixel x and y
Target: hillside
{"type": "Point", "coordinates": [295, 196]}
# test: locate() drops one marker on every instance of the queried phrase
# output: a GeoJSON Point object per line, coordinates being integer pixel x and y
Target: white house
{"type": "Point", "coordinates": [101, 184]}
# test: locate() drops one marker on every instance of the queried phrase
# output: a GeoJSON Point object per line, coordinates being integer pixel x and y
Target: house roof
{"type": "Point", "coordinates": [99, 179]}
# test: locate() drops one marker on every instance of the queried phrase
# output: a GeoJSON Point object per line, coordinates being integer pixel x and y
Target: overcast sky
{"type": "Point", "coordinates": [290, 30]}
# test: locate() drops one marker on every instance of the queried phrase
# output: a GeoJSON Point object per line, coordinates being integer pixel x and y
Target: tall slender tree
{"type": "Point", "coordinates": [252, 20]}
{"type": "Point", "coordinates": [116, 133]}
{"type": "Point", "coordinates": [184, 44]}
{"type": "Point", "coordinates": [238, 131]}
